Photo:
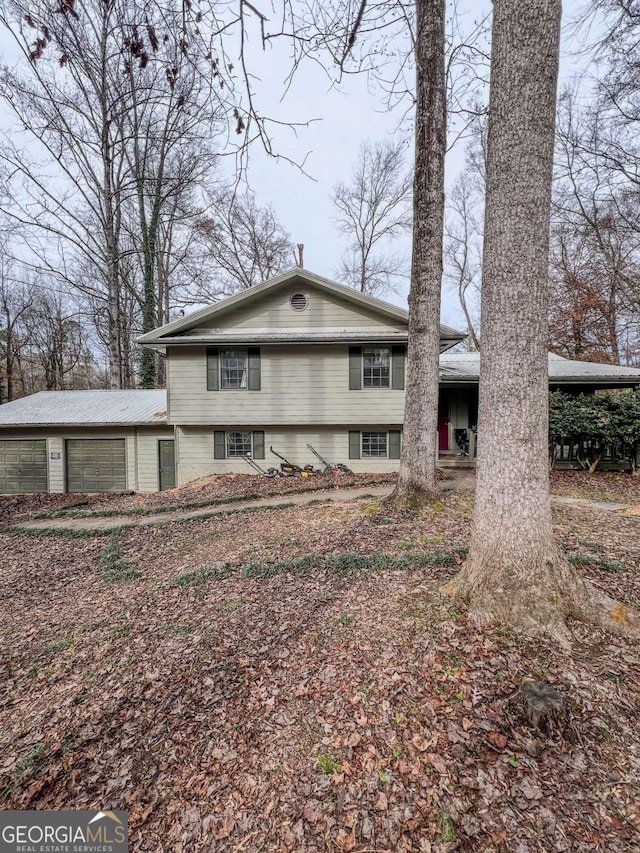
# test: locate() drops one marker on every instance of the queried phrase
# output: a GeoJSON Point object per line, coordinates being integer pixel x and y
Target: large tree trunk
{"type": "Point", "coordinates": [515, 572]}
{"type": "Point", "coordinates": [417, 483]}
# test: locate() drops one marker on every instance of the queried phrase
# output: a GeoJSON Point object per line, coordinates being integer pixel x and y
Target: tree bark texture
{"type": "Point", "coordinates": [515, 572]}
{"type": "Point", "coordinates": [417, 483]}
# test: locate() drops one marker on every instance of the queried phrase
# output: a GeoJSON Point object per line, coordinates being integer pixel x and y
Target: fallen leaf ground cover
{"type": "Point", "coordinates": [202, 492]}
{"type": "Point", "coordinates": [291, 680]}
{"type": "Point", "coordinates": [613, 486]}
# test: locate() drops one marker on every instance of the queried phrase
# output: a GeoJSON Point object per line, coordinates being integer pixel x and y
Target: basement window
{"type": "Point", "coordinates": [238, 444]}
{"type": "Point", "coordinates": [374, 444]}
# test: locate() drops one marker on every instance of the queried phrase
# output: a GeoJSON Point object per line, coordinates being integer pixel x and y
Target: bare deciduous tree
{"type": "Point", "coordinates": [595, 268]}
{"type": "Point", "coordinates": [372, 210]}
{"type": "Point", "coordinates": [123, 118]}
{"type": "Point", "coordinates": [356, 38]}
{"type": "Point", "coordinates": [243, 244]}
{"type": "Point", "coordinates": [56, 339]}
{"type": "Point", "coordinates": [463, 250]}
{"type": "Point", "coordinates": [170, 124]}
{"type": "Point", "coordinates": [15, 303]}
{"type": "Point", "coordinates": [65, 103]}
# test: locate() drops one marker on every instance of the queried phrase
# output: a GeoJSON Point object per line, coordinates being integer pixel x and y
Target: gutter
{"type": "Point", "coordinates": [76, 424]}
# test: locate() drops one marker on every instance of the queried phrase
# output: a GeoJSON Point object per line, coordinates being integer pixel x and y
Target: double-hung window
{"type": "Point", "coordinates": [233, 368]}
{"type": "Point", "coordinates": [376, 367]}
{"type": "Point", "coordinates": [236, 368]}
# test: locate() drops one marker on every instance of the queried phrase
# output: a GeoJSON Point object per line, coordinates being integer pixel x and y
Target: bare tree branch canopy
{"type": "Point", "coordinates": [242, 244]}
{"type": "Point", "coordinates": [43, 338]}
{"type": "Point", "coordinates": [595, 270]}
{"type": "Point", "coordinates": [125, 120]}
{"type": "Point", "coordinates": [464, 231]}
{"type": "Point", "coordinates": [56, 339]}
{"type": "Point", "coordinates": [596, 220]}
{"type": "Point", "coordinates": [130, 103]}
{"type": "Point", "coordinates": [15, 303]}
{"type": "Point", "coordinates": [372, 211]}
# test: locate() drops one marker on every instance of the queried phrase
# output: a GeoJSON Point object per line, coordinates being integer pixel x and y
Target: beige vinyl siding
{"type": "Point", "coordinates": [194, 451]}
{"type": "Point", "coordinates": [147, 456]}
{"type": "Point", "coordinates": [194, 454]}
{"type": "Point", "coordinates": [55, 447]}
{"type": "Point", "coordinates": [274, 312]}
{"type": "Point", "coordinates": [132, 462]}
{"type": "Point", "coordinates": [300, 384]}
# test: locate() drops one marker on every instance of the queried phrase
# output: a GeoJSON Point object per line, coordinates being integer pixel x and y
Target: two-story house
{"type": "Point", "coordinates": [296, 360]}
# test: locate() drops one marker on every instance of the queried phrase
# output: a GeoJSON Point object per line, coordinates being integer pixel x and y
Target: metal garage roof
{"type": "Point", "coordinates": [113, 408]}
{"type": "Point", "coordinates": [465, 367]}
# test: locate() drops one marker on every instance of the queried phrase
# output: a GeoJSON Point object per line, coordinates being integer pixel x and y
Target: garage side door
{"type": "Point", "coordinates": [96, 465]}
{"type": "Point", "coordinates": [23, 466]}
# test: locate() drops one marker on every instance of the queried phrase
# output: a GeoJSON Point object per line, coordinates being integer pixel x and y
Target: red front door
{"type": "Point", "coordinates": [443, 422]}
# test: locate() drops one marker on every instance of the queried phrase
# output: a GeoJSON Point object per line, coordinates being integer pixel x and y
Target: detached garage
{"type": "Point", "coordinates": [85, 441]}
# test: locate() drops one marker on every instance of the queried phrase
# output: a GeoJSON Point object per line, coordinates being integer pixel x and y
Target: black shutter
{"type": "Point", "coordinates": [354, 444]}
{"type": "Point", "coordinates": [253, 358]}
{"type": "Point", "coordinates": [213, 382]}
{"type": "Point", "coordinates": [394, 444]}
{"type": "Point", "coordinates": [397, 368]}
{"type": "Point", "coordinates": [355, 369]}
{"type": "Point", "coordinates": [258, 445]}
{"type": "Point", "coordinates": [219, 445]}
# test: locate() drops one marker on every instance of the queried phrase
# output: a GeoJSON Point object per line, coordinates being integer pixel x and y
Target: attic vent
{"type": "Point", "coordinates": [298, 302]}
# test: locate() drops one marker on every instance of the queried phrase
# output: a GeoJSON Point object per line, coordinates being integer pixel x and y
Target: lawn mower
{"type": "Point", "coordinates": [335, 470]}
{"type": "Point", "coordinates": [270, 472]}
{"type": "Point", "coordinates": [289, 469]}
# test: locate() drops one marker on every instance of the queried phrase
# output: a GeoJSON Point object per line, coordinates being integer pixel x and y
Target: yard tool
{"type": "Point", "coordinates": [289, 469]}
{"type": "Point", "coordinates": [270, 472]}
{"type": "Point", "coordinates": [338, 468]}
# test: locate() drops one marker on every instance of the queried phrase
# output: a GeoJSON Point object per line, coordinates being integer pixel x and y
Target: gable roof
{"type": "Point", "coordinates": [93, 408]}
{"type": "Point", "coordinates": [465, 367]}
{"type": "Point", "coordinates": [173, 332]}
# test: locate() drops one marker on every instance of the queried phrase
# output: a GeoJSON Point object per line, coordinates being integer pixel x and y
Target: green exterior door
{"type": "Point", "coordinates": [23, 466]}
{"type": "Point", "coordinates": [96, 465]}
{"type": "Point", "coordinates": [166, 464]}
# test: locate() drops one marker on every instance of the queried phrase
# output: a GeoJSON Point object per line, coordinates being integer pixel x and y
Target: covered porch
{"type": "Point", "coordinates": [457, 426]}
{"type": "Point", "coordinates": [457, 435]}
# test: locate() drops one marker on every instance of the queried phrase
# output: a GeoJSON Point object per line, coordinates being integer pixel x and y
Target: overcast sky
{"type": "Point", "coordinates": [347, 117]}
